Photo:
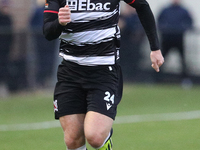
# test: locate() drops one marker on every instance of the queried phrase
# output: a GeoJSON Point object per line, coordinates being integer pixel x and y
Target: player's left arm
{"type": "Point", "coordinates": [148, 22]}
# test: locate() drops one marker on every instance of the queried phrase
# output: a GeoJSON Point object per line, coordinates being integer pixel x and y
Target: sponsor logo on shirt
{"type": "Point", "coordinates": [87, 5]}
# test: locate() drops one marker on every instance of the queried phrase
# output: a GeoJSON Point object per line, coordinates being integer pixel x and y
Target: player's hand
{"type": "Point", "coordinates": [156, 59]}
{"type": "Point", "coordinates": [64, 15]}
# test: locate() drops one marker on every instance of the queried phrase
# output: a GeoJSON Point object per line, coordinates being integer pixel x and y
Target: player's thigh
{"type": "Point", "coordinates": [73, 126]}
{"type": "Point", "coordinates": [97, 126]}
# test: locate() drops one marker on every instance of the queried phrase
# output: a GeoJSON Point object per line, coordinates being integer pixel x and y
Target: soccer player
{"type": "Point", "coordinates": [89, 85]}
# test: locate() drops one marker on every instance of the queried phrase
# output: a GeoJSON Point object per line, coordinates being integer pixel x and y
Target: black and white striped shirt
{"type": "Point", "coordinates": [92, 36]}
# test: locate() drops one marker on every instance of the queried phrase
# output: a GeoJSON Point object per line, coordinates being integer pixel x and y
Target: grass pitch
{"type": "Point", "coordinates": [137, 100]}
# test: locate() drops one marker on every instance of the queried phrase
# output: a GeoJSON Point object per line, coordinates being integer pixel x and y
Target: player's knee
{"type": "Point", "coordinates": [95, 140]}
{"type": "Point", "coordinates": [69, 141]}
{"type": "Point", "coordinates": [73, 142]}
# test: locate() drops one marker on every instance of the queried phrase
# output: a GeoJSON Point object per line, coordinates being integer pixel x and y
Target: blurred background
{"type": "Point", "coordinates": [157, 111]}
{"type": "Point", "coordinates": [28, 62]}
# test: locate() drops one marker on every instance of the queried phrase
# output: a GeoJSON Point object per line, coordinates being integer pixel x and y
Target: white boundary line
{"type": "Point", "coordinates": [159, 117]}
{"type": "Point", "coordinates": [119, 120]}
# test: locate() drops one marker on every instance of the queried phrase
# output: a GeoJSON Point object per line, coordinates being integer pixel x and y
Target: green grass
{"type": "Point", "coordinates": [26, 108]}
{"type": "Point", "coordinates": [141, 99]}
{"type": "Point", "coordinates": [173, 135]}
{"type": "Point", "coordinates": [137, 100]}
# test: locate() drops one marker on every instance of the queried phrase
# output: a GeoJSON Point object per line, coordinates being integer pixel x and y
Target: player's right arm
{"type": "Point", "coordinates": [55, 18]}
